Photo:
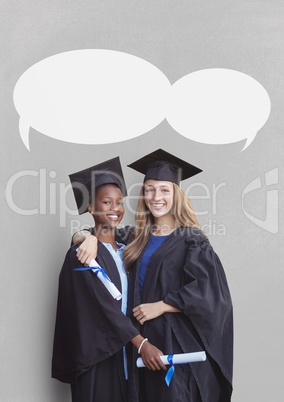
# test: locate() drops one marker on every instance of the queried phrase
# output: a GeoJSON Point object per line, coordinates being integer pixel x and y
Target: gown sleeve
{"type": "Point", "coordinates": [205, 299]}
{"type": "Point", "coordinates": [124, 235]}
{"type": "Point", "coordinates": [89, 323]}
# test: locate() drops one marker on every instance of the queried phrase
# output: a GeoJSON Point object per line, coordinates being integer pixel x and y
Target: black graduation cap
{"type": "Point", "coordinates": [161, 165]}
{"type": "Point", "coordinates": [85, 182]}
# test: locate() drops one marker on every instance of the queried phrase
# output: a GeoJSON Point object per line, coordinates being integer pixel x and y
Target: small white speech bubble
{"type": "Point", "coordinates": [218, 106]}
{"type": "Point", "coordinates": [91, 96]}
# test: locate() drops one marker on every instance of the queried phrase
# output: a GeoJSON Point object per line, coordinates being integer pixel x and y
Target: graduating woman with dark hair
{"type": "Point", "coordinates": [91, 326]}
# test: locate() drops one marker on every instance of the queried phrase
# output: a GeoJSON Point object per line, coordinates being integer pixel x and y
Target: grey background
{"type": "Point", "coordinates": [178, 37]}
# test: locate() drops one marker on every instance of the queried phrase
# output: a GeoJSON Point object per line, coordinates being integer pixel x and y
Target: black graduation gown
{"type": "Point", "coordinates": [186, 273]}
{"type": "Point", "coordinates": [90, 330]}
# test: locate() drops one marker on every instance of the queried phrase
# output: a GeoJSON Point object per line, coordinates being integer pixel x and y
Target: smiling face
{"type": "Point", "coordinates": [159, 198]}
{"type": "Point", "coordinates": [108, 209]}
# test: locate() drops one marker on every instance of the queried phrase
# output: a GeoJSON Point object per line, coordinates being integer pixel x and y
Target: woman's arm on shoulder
{"type": "Point", "coordinates": [80, 236]}
{"type": "Point", "coordinates": [88, 248]}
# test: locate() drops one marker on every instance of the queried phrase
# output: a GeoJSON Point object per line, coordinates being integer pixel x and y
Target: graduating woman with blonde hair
{"type": "Point", "coordinates": [178, 295]}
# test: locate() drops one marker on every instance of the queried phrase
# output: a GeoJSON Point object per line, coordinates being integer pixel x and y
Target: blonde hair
{"type": "Point", "coordinates": [183, 213]}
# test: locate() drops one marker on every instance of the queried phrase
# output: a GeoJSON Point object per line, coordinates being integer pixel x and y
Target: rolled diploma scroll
{"type": "Point", "coordinates": [181, 358]}
{"type": "Point", "coordinates": [105, 280]}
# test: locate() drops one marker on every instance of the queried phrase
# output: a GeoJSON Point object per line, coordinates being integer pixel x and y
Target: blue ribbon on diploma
{"type": "Point", "coordinates": [96, 270]}
{"type": "Point", "coordinates": [170, 371]}
{"type": "Point", "coordinates": [104, 278]}
{"type": "Point", "coordinates": [172, 360]}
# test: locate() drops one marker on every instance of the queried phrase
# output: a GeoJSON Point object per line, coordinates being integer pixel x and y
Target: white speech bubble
{"type": "Point", "coordinates": [91, 96]}
{"type": "Point", "coordinates": [218, 106]}
{"type": "Point", "coordinates": [97, 96]}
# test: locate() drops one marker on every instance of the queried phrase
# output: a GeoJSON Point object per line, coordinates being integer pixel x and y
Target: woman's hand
{"type": "Point", "coordinates": [149, 353]}
{"type": "Point", "coordinates": [148, 311]}
{"type": "Point", "coordinates": [151, 357]}
{"type": "Point", "coordinates": [87, 250]}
